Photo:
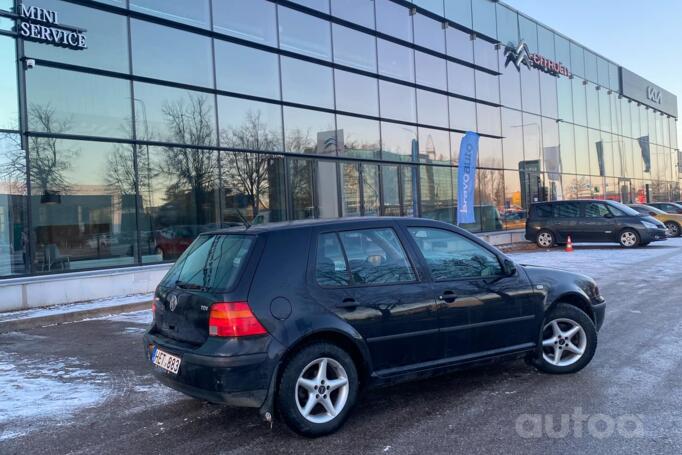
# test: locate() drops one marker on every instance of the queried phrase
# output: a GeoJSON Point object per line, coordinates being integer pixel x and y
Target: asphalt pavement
{"type": "Point", "coordinates": [84, 387]}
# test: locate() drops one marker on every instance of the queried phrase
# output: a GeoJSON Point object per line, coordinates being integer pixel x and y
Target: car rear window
{"type": "Point", "coordinates": [543, 211]}
{"type": "Point", "coordinates": [211, 262]}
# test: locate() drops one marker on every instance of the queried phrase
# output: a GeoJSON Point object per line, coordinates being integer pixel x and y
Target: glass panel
{"type": "Point", "coordinates": [359, 137]}
{"type": "Point", "coordinates": [452, 257]}
{"type": "Point", "coordinates": [304, 34]}
{"type": "Point", "coordinates": [255, 20]}
{"type": "Point", "coordinates": [397, 101]}
{"type": "Point", "coordinates": [394, 19]}
{"type": "Point", "coordinates": [396, 61]}
{"type": "Point", "coordinates": [548, 95]}
{"type": "Point", "coordinates": [597, 164]}
{"type": "Point", "coordinates": [66, 102]}
{"type": "Point", "coordinates": [83, 204]}
{"type": "Point", "coordinates": [577, 60]}
{"type": "Point", "coordinates": [431, 71]}
{"type": "Point", "coordinates": [320, 5]}
{"type": "Point", "coordinates": [434, 146]}
{"type": "Point", "coordinates": [360, 12]}
{"type": "Point", "coordinates": [528, 32]}
{"type": "Point", "coordinates": [485, 54]}
{"type": "Point", "coordinates": [530, 89]}
{"type": "Point", "coordinates": [551, 151]}
{"type": "Point", "coordinates": [459, 44]}
{"type": "Point", "coordinates": [603, 72]}
{"type": "Point", "coordinates": [436, 193]}
{"type": "Point", "coordinates": [488, 120]}
{"type": "Point", "coordinates": [311, 194]}
{"type": "Point", "coordinates": [256, 74]}
{"type": "Point", "coordinates": [570, 149]}
{"type": "Point", "coordinates": [459, 11]}
{"type": "Point", "coordinates": [171, 54]}
{"type": "Point", "coordinates": [462, 114]}
{"type": "Point", "coordinates": [432, 108]}
{"type": "Point", "coordinates": [490, 151]}
{"type": "Point", "coordinates": [390, 188]}
{"type": "Point", "coordinates": [331, 268]}
{"type": "Point", "coordinates": [180, 200]}
{"type": "Point", "coordinates": [253, 184]}
{"type": "Point", "coordinates": [370, 189]}
{"type": "Point", "coordinates": [512, 142]}
{"type": "Point", "coordinates": [175, 115]}
{"type": "Point", "coordinates": [356, 94]}
{"type": "Point", "coordinates": [582, 151]}
{"type": "Point", "coordinates": [614, 82]}
{"type": "Point", "coordinates": [353, 48]}
{"type": "Point", "coordinates": [106, 49]}
{"type": "Point", "coordinates": [398, 142]}
{"type": "Point", "coordinates": [510, 84]}
{"type": "Point", "coordinates": [487, 87]}
{"type": "Point", "coordinates": [9, 108]}
{"type": "Point", "coordinates": [461, 80]}
{"type": "Point", "coordinates": [546, 43]}
{"type": "Point", "coordinates": [579, 102]}
{"type": "Point", "coordinates": [307, 83]}
{"type": "Point", "coordinates": [565, 98]}
{"type": "Point", "coordinates": [532, 138]}
{"type": "Point", "coordinates": [376, 257]}
{"type": "Point", "coordinates": [13, 210]}
{"type": "Point", "coordinates": [507, 26]}
{"type": "Point", "coordinates": [307, 131]}
{"type": "Point", "coordinates": [250, 125]}
{"type": "Point", "coordinates": [350, 174]}
{"type": "Point", "coordinates": [484, 17]}
{"type": "Point", "coordinates": [429, 33]}
{"type": "Point", "coordinates": [604, 110]}
{"type": "Point", "coordinates": [591, 67]}
{"type": "Point", "coordinates": [192, 12]}
{"type": "Point", "coordinates": [435, 6]}
{"type": "Point", "coordinates": [592, 97]}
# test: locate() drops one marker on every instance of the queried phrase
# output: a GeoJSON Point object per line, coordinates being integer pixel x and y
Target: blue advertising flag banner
{"type": "Point", "coordinates": [466, 178]}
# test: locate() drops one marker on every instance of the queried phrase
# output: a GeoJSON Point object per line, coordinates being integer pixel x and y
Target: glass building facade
{"type": "Point", "coordinates": [181, 116]}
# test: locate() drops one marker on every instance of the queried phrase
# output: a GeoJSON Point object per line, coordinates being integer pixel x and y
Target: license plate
{"type": "Point", "coordinates": [166, 361]}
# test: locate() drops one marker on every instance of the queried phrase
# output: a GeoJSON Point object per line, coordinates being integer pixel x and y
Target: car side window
{"type": "Point", "coordinates": [596, 210]}
{"type": "Point", "coordinates": [451, 256]}
{"type": "Point", "coordinates": [544, 211]}
{"type": "Point", "coordinates": [616, 211]}
{"type": "Point", "coordinates": [375, 256]}
{"type": "Point", "coordinates": [331, 268]}
{"type": "Point", "coordinates": [567, 210]}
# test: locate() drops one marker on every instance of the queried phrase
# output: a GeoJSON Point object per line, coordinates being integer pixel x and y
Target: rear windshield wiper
{"type": "Point", "coordinates": [185, 285]}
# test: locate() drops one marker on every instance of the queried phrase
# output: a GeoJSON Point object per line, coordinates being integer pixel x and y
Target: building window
{"type": "Point", "coordinates": [354, 48]}
{"type": "Point", "coordinates": [398, 142]}
{"type": "Point", "coordinates": [431, 71]}
{"type": "Point", "coordinates": [304, 34]}
{"type": "Point", "coordinates": [311, 194]}
{"type": "Point", "coordinates": [360, 12]}
{"type": "Point", "coordinates": [320, 5]}
{"type": "Point", "coordinates": [432, 108]}
{"type": "Point", "coordinates": [13, 228]}
{"type": "Point", "coordinates": [434, 146]}
{"type": "Point", "coordinates": [397, 102]}
{"type": "Point", "coordinates": [307, 83]}
{"type": "Point", "coordinates": [458, 11]}
{"type": "Point", "coordinates": [307, 131]}
{"type": "Point", "coordinates": [9, 108]}
{"type": "Point", "coordinates": [170, 54]}
{"type": "Point", "coordinates": [429, 33]}
{"type": "Point", "coordinates": [67, 102]}
{"type": "Point", "coordinates": [356, 94]}
{"type": "Point", "coordinates": [255, 20]}
{"type": "Point", "coordinates": [462, 114]}
{"type": "Point", "coordinates": [394, 19]}
{"type": "Point", "coordinates": [396, 61]}
{"type": "Point", "coordinates": [242, 69]}
{"type": "Point", "coordinates": [358, 137]}
{"type": "Point", "coordinates": [461, 80]}
{"type": "Point", "coordinates": [484, 17]}
{"type": "Point", "coordinates": [459, 44]}
{"type": "Point", "coordinates": [191, 12]}
{"type": "Point", "coordinates": [250, 125]}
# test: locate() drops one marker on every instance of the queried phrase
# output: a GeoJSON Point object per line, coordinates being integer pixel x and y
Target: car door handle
{"type": "Point", "coordinates": [348, 303]}
{"type": "Point", "coordinates": [447, 297]}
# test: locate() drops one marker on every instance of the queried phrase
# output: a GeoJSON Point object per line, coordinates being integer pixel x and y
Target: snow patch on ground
{"type": "Point", "coordinates": [136, 317]}
{"type": "Point", "coordinates": [43, 389]}
{"type": "Point", "coordinates": [73, 307]}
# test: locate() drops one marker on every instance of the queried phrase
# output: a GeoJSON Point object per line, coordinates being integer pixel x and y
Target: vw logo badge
{"type": "Point", "coordinates": [173, 302]}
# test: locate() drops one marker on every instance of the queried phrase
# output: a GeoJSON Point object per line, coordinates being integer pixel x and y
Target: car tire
{"type": "Point", "coordinates": [629, 238]}
{"type": "Point", "coordinates": [545, 239]}
{"type": "Point", "coordinates": [300, 382]}
{"type": "Point", "coordinates": [561, 351]}
{"type": "Point", "coordinates": [674, 228]}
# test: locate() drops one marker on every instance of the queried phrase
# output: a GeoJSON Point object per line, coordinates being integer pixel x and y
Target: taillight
{"type": "Point", "coordinates": [233, 319]}
{"type": "Point", "coordinates": [154, 300]}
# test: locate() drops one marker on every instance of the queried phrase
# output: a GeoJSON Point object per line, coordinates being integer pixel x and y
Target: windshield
{"type": "Point", "coordinates": [624, 208]}
{"type": "Point", "coordinates": [212, 262]}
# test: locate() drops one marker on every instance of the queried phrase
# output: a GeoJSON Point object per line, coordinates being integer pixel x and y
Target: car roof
{"type": "Point", "coordinates": [329, 222]}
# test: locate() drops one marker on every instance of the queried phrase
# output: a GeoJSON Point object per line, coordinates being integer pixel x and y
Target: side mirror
{"type": "Point", "coordinates": [508, 267]}
{"type": "Point", "coordinates": [652, 213]}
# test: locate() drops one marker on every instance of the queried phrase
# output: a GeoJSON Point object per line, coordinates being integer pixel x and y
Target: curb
{"type": "Point", "coordinates": [14, 325]}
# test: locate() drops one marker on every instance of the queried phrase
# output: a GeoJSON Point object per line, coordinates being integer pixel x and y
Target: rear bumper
{"type": "Point", "coordinates": [240, 380]}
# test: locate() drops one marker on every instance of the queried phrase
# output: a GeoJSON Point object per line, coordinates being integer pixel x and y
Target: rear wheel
{"type": "Point", "coordinates": [545, 239]}
{"type": "Point", "coordinates": [569, 341]}
{"type": "Point", "coordinates": [629, 238]}
{"type": "Point", "coordinates": [317, 390]}
{"type": "Point", "coordinates": [673, 228]}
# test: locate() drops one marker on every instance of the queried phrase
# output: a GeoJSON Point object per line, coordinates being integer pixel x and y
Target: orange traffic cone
{"type": "Point", "coordinates": [569, 245]}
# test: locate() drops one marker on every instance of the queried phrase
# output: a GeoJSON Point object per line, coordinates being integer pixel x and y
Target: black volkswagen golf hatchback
{"type": "Point", "coordinates": [298, 317]}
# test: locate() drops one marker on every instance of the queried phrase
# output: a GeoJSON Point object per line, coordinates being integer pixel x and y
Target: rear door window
{"type": "Point", "coordinates": [567, 210]}
{"type": "Point", "coordinates": [596, 210]}
{"type": "Point", "coordinates": [331, 268]}
{"type": "Point", "coordinates": [543, 211]}
{"type": "Point", "coordinates": [376, 256]}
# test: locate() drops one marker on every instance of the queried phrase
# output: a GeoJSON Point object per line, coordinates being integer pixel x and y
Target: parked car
{"type": "Point", "coordinates": [669, 207]}
{"type": "Point", "coordinates": [300, 316]}
{"type": "Point", "coordinates": [551, 223]}
{"type": "Point", "coordinates": [672, 221]}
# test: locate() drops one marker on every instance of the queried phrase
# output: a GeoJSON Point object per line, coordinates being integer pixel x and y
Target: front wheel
{"type": "Point", "coordinates": [545, 239]}
{"type": "Point", "coordinates": [569, 341]}
{"type": "Point", "coordinates": [317, 390]}
{"type": "Point", "coordinates": [629, 238]}
{"type": "Point", "coordinates": [673, 228]}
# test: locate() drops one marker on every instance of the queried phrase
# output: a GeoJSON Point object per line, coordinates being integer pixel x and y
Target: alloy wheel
{"type": "Point", "coordinates": [673, 228]}
{"type": "Point", "coordinates": [545, 239]}
{"type": "Point", "coordinates": [563, 342]}
{"type": "Point", "coordinates": [628, 239]}
{"type": "Point", "coordinates": [322, 390]}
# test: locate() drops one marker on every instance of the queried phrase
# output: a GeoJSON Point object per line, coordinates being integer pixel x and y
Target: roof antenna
{"type": "Point", "coordinates": [243, 218]}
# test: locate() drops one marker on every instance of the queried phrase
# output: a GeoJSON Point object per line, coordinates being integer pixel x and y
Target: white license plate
{"type": "Point", "coordinates": [166, 361]}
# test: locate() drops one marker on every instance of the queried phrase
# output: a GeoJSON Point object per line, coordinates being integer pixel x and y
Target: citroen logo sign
{"type": "Point", "coordinates": [519, 55]}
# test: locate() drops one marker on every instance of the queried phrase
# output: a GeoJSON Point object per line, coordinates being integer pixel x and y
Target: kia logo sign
{"type": "Point", "coordinates": [654, 94]}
